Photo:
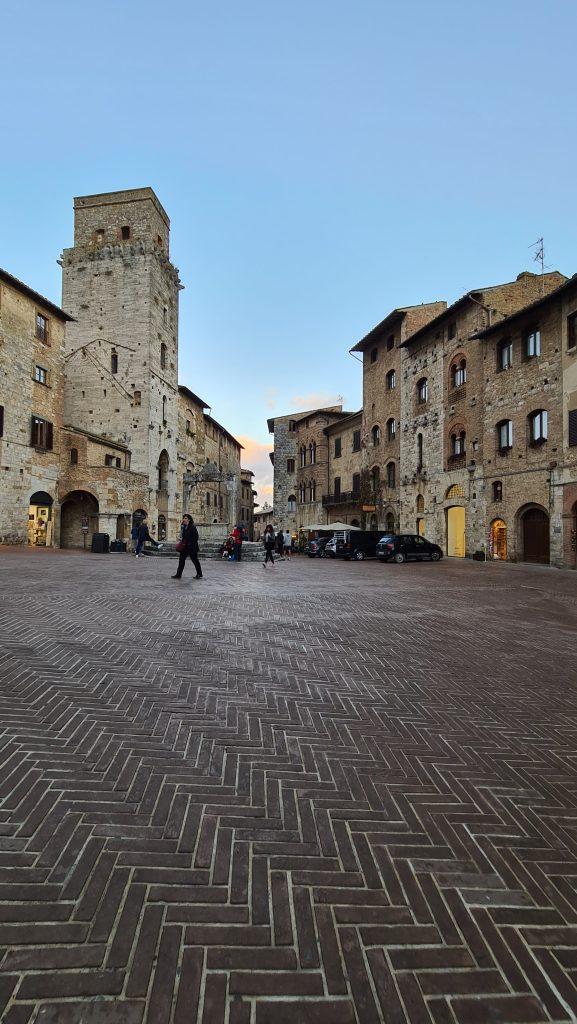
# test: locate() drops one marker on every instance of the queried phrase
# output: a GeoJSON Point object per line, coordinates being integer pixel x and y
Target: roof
{"type": "Point", "coordinates": [298, 416]}
{"type": "Point", "coordinates": [190, 394]}
{"type": "Point", "coordinates": [247, 472]}
{"type": "Point", "coordinates": [224, 430]}
{"type": "Point", "coordinates": [392, 318]}
{"type": "Point", "coordinates": [500, 324]}
{"type": "Point", "coordinates": [36, 297]}
{"type": "Point", "coordinates": [339, 424]}
{"type": "Point", "coordinates": [126, 195]}
{"type": "Point", "coordinates": [97, 438]}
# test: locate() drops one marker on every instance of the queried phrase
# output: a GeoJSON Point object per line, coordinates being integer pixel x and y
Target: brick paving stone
{"type": "Point", "coordinates": [335, 794]}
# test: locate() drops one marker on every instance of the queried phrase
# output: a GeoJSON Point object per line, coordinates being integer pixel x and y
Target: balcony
{"type": "Point", "coordinates": [342, 498]}
{"type": "Point", "coordinates": [457, 461]}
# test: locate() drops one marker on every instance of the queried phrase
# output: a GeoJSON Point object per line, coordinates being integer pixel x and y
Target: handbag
{"type": "Point", "coordinates": [181, 546]}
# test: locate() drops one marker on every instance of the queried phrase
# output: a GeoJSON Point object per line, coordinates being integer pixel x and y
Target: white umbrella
{"type": "Point", "coordinates": [340, 526]}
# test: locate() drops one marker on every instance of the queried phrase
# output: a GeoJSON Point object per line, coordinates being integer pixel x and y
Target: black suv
{"type": "Point", "coordinates": [403, 546]}
{"type": "Point", "coordinates": [316, 548]}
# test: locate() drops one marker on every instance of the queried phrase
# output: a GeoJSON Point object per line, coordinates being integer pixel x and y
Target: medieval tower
{"type": "Point", "coordinates": [122, 348]}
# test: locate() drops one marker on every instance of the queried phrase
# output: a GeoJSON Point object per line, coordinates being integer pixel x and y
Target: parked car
{"type": "Point", "coordinates": [316, 548]}
{"type": "Point", "coordinates": [404, 546]}
{"type": "Point", "coordinates": [353, 544]}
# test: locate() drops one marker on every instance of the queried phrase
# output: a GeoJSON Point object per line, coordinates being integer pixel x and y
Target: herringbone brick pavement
{"type": "Point", "coordinates": [326, 793]}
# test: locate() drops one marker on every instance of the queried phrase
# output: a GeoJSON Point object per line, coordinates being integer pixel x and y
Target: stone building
{"type": "Point", "coordinates": [261, 519]}
{"type": "Point", "coordinates": [286, 461]}
{"type": "Point", "coordinates": [529, 485]}
{"type": "Point", "coordinates": [121, 374]}
{"type": "Point", "coordinates": [347, 498]}
{"type": "Point", "coordinates": [221, 475]}
{"type": "Point", "coordinates": [247, 503]}
{"type": "Point", "coordinates": [312, 471]}
{"type": "Point", "coordinates": [191, 452]}
{"type": "Point", "coordinates": [443, 382]}
{"type": "Point", "coordinates": [381, 427]}
{"type": "Point", "coordinates": [31, 413]}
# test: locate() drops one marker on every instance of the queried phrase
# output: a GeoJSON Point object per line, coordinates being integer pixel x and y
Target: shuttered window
{"type": "Point", "coordinates": [573, 427]}
{"type": "Point", "coordinates": [41, 433]}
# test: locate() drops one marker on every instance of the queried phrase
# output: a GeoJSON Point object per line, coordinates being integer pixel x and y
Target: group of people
{"type": "Point", "coordinates": [187, 546]}
{"type": "Point", "coordinates": [281, 542]}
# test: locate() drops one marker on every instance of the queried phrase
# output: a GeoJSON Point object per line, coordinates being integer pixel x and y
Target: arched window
{"type": "Point", "coordinates": [457, 442]}
{"type": "Point", "coordinates": [423, 391]}
{"type": "Point", "coordinates": [163, 356]}
{"type": "Point", "coordinates": [391, 429]}
{"type": "Point", "coordinates": [504, 435]}
{"type": "Point", "coordinates": [497, 490]}
{"type": "Point", "coordinates": [376, 436]}
{"type": "Point", "coordinates": [454, 491]}
{"type": "Point", "coordinates": [537, 423]}
{"type": "Point", "coordinates": [375, 480]}
{"type": "Point", "coordinates": [374, 355]}
{"type": "Point", "coordinates": [313, 452]}
{"type": "Point", "coordinates": [391, 474]}
{"type": "Point", "coordinates": [391, 380]}
{"type": "Point", "coordinates": [303, 456]}
{"type": "Point", "coordinates": [420, 503]}
{"type": "Point", "coordinates": [163, 464]}
{"type": "Point", "coordinates": [312, 490]}
{"type": "Point", "coordinates": [73, 456]}
{"type": "Point", "coordinates": [292, 503]}
{"type": "Point", "coordinates": [114, 361]}
{"type": "Point", "coordinates": [458, 373]}
{"type": "Point", "coordinates": [419, 451]}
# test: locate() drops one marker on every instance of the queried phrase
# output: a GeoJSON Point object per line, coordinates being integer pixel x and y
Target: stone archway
{"type": "Point", "coordinates": [535, 540]}
{"type": "Point", "coordinates": [40, 521]}
{"type": "Point", "coordinates": [78, 519]}
{"type": "Point", "coordinates": [498, 540]}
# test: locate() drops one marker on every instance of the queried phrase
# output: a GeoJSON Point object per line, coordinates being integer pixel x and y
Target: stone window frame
{"type": "Point", "coordinates": [376, 435]}
{"type": "Point", "coordinates": [532, 340]}
{"type": "Point", "coordinates": [537, 427]}
{"type": "Point", "coordinates": [458, 367]}
{"type": "Point", "coordinates": [422, 391]}
{"type": "Point", "coordinates": [391, 471]}
{"type": "Point", "coordinates": [497, 489]}
{"type": "Point", "coordinates": [391, 428]}
{"type": "Point", "coordinates": [503, 449]}
{"type": "Point", "coordinates": [290, 465]}
{"type": "Point", "coordinates": [41, 434]}
{"type": "Point", "coordinates": [41, 328]}
{"type": "Point", "coordinates": [74, 456]}
{"type": "Point", "coordinates": [391, 380]}
{"type": "Point", "coordinates": [505, 345]}
{"type": "Point", "coordinates": [125, 232]}
{"type": "Point", "coordinates": [292, 503]}
{"type": "Point", "coordinates": [41, 375]}
{"type": "Point", "coordinates": [457, 440]}
{"type": "Point", "coordinates": [312, 453]}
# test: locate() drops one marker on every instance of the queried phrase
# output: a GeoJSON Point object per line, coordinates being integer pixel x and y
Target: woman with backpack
{"type": "Point", "coordinates": [269, 542]}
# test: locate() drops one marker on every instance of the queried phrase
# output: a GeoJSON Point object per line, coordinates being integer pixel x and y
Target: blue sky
{"type": "Point", "coordinates": [321, 162]}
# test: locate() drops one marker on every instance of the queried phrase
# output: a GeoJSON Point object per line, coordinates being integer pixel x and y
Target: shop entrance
{"type": "Point", "coordinates": [40, 522]}
{"type": "Point", "coordinates": [498, 540]}
{"type": "Point", "coordinates": [456, 531]}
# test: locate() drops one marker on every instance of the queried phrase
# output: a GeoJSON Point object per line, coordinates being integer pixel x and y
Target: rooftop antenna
{"type": "Point", "coordinates": [539, 257]}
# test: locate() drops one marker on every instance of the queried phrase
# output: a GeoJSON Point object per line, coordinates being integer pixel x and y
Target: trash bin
{"type": "Point", "coordinates": [118, 545]}
{"type": "Point", "coordinates": [100, 543]}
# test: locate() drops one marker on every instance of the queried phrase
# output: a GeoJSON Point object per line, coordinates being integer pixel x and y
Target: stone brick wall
{"type": "Point", "coordinates": [343, 468]}
{"type": "Point", "coordinates": [312, 441]}
{"type": "Point", "coordinates": [25, 469]}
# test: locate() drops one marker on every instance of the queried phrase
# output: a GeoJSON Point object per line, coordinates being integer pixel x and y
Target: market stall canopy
{"type": "Point", "coordinates": [330, 526]}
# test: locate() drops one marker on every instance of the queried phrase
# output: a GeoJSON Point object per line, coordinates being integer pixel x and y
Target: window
{"type": "Point", "coordinates": [302, 493]}
{"type": "Point", "coordinates": [313, 452]}
{"type": "Point", "coordinates": [41, 433]}
{"type": "Point", "coordinates": [458, 440]}
{"type": "Point", "coordinates": [125, 232]}
{"type": "Point", "coordinates": [497, 490]}
{"type": "Point", "coordinates": [312, 490]}
{"type": "Point", "coordinates": [74, 456]}
{"type": "Point", "coordinates": [356, 440]}
{"type": "Point", "coordinates": [159, 241]}
{"type": "Point", "coordinates": [114, 361]}
{"type": "Point", "coordinates": [376, 436]}
{"type": "Point", "coordinates": [391, 380]}
{"type": "Point", "coordinates": [290, 465]}
{"type": "Point", "coordinates": [337, 447]}
{"type": "Point", "coordinates": [420, 503]}
{"type": "Point", "coordinates": [2, 421]}
{"type": "Point", "coordinates": [111, 460]}
{"type": "Point", "coordinates": [374, 355]}
{"type": "Point", "coordinates": [505, 435]}
{"type": "Point", "coordinates": [356, 485]}
{"type": "Point", "coordinates": [391, 474]}
{"type": "Point", "coordinates": [163, 356]}
{"type": "Point", "coordinates": [292, 426]}
{"type": "Point", "coordinates": [459, 374]}
{"type": "Point", "coordinates": [375, 481]}
{"type": "Point", "coordinates": [504, 354]}
{"type": "Point", "coordinates": [137, 398]}
{"type": "Point", "coordinates": [337, 487]}
{"type": "Point", "coordinates": [99, 235]}
{"type": "Point", "coordinates": [42, 328]}
{"type": "Point", "coordinates": [572, 426]}
{"type": "Point", "coordinates": [164, 410]}
{"type": "Point", "coordinates": [40, 375]}
{"type": "Point", "coordinates": [532, 343]}
{"type": "Point", "coordinates": [391, 429]}
{"type": "Point", "coordinates": [572, 330]}
{"type": "Point", "coordinates": [537, 421]}
{"type": "Point", "coordinates": [452, 330]}
{"type": "Point", "coordinates": [423, 391]}
{"type": "Point", "coordinates": [208, 498]}
{"type": "Point", "coordinates": [390, 342]}
{"type": "Point", "coordinates": [419, 452]}
{"type": "Point", "coordinates": [303, 456]}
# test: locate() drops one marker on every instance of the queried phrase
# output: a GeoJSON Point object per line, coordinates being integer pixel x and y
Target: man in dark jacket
{"type": "Point", "coordinates": [143, 536]}
{"type": "Point", "coordinates": [189, 549]}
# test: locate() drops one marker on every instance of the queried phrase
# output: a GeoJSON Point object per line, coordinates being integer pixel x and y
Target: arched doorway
{"type": "Point", "coordinates": [121, 527]}
{"type": "Point", "coordinates": [355, 522]}
{"type": "Point", "coordinates": [498, 540]}
{"type": "Point", "coordinates": [78, 519]}
{"type": "Point", "coordinates": [40, 524]}
{"type": "Point", "coordinates": [420, 526]}
{"type": "Point", "coordinates": [390, 522]}
{"type": "Point", "coordinates": [374, 522]}
{"type": "Point", "coordinates": [455, 531]}
{"type": "Point", "coordinates": [535, 536]}
{"type": "Point", "coordinates": [163, 464]}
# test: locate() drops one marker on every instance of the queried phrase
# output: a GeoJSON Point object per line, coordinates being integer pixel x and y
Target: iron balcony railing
{"type": "Point", "coordinates": [341, 498]}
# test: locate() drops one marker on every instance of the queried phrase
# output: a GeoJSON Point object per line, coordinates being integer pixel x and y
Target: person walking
{"type": "Point", "coordinates": [279, 542]}
{"type": "Point", "coordinates": [287, 543]}
{"type": "Point", "coordinates": [268, 540]}
{"type": "Point", "coordinates": [143, 536]}
{"type": "Point", "coordinates": [134, 537]}
{"type": "Point", "coordinates": [237, 538]}
{"type": "Point", "coordinates": [188, 547]}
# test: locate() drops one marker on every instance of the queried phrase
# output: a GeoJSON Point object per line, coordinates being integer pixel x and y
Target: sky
{"type": "Point", "coordinates": [321, 163]}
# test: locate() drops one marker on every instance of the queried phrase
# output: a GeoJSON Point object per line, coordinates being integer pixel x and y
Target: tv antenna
{"type": "Point", "coordinates": [539, 257]}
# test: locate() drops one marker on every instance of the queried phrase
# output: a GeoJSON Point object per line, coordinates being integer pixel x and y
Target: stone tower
{"type": "Point", "coordinates": [122, 350]}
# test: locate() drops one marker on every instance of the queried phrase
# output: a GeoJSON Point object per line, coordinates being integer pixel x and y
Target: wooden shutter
{"type": "Point", "coordinates": [33, 440]}
{"type": "Point", "coordinates": [573, 427]}
{"type": "Point", "coordinates": [49, 436]}
{"type": "Point", "coordinates": [1, 421]}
